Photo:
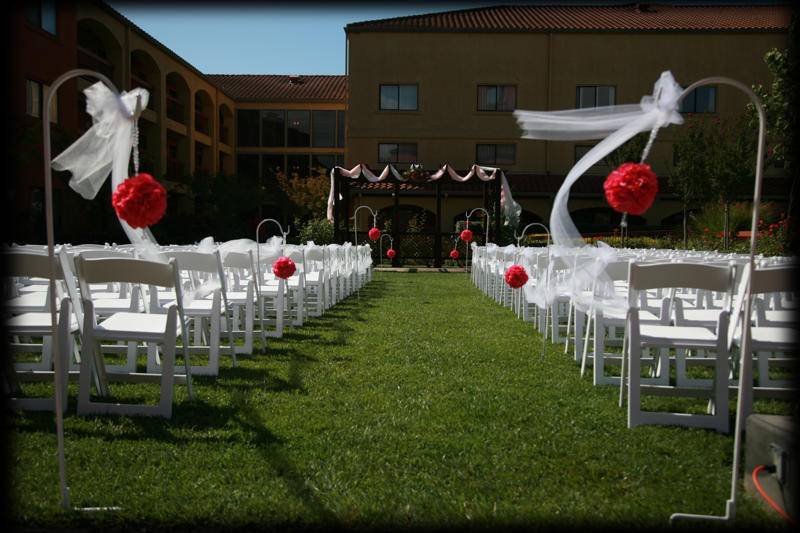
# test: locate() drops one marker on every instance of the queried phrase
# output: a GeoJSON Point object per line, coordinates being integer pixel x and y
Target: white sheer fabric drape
{"type": "Point", "coordinates": [615, 125]}
{"type": "Point", "coordinates": [106, 148]}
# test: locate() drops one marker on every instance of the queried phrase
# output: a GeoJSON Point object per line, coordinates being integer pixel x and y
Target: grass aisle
{"type": "Point", "coordinates": [421, 404]}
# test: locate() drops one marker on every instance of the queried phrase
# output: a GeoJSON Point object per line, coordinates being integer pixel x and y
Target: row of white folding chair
{"type": "Point", "coordinates": [90, 329]}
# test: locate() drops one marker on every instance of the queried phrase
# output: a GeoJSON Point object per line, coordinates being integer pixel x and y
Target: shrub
{"type": "Point", "coordinates": [319, 230]}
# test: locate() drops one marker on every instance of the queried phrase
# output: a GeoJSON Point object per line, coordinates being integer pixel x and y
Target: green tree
{"type": "Point", "coordinates": [689, 177]}
{"type": "Point", "coordinates": [731, 163]}
{"type": "Point", "coordinates": [776, 100]}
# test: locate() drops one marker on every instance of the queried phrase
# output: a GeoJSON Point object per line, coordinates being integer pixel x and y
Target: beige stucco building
{"type": "Point", "coordinates": [540, 58]}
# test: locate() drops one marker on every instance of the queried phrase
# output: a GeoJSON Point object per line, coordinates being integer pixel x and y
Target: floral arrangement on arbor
{"type": "Point", "coordinates": [415, 173]}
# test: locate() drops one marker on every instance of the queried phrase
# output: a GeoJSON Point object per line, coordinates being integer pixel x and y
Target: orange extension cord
{"type": "Point", "coordinates": [764, 495]}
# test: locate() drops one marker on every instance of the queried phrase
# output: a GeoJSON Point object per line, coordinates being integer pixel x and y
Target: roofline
{"type": "Point", "coordinates": [400, 29]}
{"type": "Point", "coordinates": [152, 40]}
{"type": "Point", "coordinates": [250, 99]}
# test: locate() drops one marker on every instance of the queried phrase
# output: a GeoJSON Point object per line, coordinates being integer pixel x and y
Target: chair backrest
{"type": "Point", "coordinates": [197, 261]}
{"type": "Point", "coordinates": [643, 276]}
{"type": "Point", "coordinates": [101, 253]}
{"type": "Point", "coordinates": [775, 279]}
{"type": "Point", "coordinates": [30, 264]}
{"type": "Point", "coordinates": [126, 270]}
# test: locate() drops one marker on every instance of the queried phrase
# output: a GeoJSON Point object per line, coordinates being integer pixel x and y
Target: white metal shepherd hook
{"type": "Point", "coordinates": [615, 125]}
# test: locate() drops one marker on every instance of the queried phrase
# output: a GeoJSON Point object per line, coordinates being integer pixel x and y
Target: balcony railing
{"type": "Point", "coordinates": [201, 123]}
{"type": "Point", "coordinates": [223, 134]}
{"type": "Point", "coordinates": [138, 81]}
{"type": "Point", "coordinates": [90, 60]}
{"type": "Point", "coordinates": [176, 110]}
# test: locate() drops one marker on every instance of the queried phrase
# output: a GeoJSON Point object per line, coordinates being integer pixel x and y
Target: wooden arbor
{"type": "Point", "coordinates": [422, 186]}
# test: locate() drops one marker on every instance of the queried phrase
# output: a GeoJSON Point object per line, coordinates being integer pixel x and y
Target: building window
{"type": "Point", "coordinates": [323, 129]}
{"type": "Point", "coordinates": [397, 152]}
{"type": "Point", "coordinates": [41, 14]}
{"type": "Point", "coordinates": [273, 127]}
{"type": "Point", "coordinates": [298, 131]}
{"type": "Point", "coordinates": [701, 100]}
{"type": "Point", "coordinates": [495, 154]}
{"type": "Point", "coordinates": [324, 162]}
{"type": "Point", "coordinates": [340, 131]}
{"type": "Point", "coordinates": [398, 97]}
{"type": "Point", "coordinates": [34, 100]}
{"type": "Point", "coordinates": [247, 127]}
{"type": "Point", "coordinates": [497, 97]}
{"type": "Point", "coordinates": [298, 164]}
{"type": "Point", "coordinates": [595, 96]}
{"type": "Point", "coordinates": [247, 166]}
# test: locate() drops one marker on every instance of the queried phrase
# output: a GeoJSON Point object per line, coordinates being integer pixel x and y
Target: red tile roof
{"type": "Point", "coordinates": [280, 87]}
{"type": "Point", "coordinates": [630, 17]}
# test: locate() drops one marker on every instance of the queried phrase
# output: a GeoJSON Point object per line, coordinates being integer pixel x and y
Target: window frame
{"type": "Point", "coordinates": [693, 96]}
{"type": "Point", "coordinates": [397, 144]}
{"type": "Point", "coordinates": [38, 24]}
{"type": "Point", "coordinates": [497, 93]}
{"type": "Point", "coordinates": [595, 87]}
{"type": "Point", "coordinates": [494, 162]}
{"type": "Point", "coordinates": [41, 89]}
{"type": "Point", "coordinates": [398, 109]}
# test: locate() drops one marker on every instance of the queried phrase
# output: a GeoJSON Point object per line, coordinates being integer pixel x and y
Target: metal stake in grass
{"type": "Point", "coordinates": [745, 355]}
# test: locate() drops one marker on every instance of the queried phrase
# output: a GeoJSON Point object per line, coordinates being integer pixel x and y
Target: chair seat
{"type": "Point", "coordinates": [144, 326]}
{"type": "Point", "coordinates": [619, 315]}
{"type": "Point", "coordinates": [37, 287]}
{"type": "Point", "coordinates": [679, 336]}
{"type": "Point", "coordinates": [764, 338]}
{"type": "Point", "coordinates": [705, 316]}
{"type": "Point", "coordinates": [788, 317]}
{"type": "Point", "coordinates": [236, 297]}
{"type": "Point", "coordinates": [27, 302]}
{"type": "Point", "coordinates": [198, 307]}
{"type": "Point", "coordinates": [32, 323]}
{"type": "Point", "coordinates": [107, 306]}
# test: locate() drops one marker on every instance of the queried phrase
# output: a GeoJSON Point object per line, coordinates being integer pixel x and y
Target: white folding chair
{"type": "Point", "coordinates": [153, 328]}
{"type": "Point", "coordinates": [642, 277]}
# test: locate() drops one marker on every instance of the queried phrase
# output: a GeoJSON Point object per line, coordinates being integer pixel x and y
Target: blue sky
{"type": "Point", "coordinates": [264, 38]}
{"type": "Point", "coordinates": [285, 38]}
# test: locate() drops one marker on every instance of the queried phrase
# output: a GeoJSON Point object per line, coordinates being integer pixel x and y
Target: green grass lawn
{"type": "Point", "coordinates": [421, 404]}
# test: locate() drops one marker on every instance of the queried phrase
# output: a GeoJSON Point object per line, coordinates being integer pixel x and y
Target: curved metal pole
{"type": "Point", "coordinates": [485, 238]}
{"type": "Point", "coordinates": [521, 235]}
{"type": "Point", "coordinates": [380, 244]}
{"type": "Point", "coordinates": [745, 356]}
{"type": "Point", "coordinates": [48, 202]}
{"type": "Point", "coordinates": [258, 247]}
{"type": "Point", "coordinates": [355, 220]}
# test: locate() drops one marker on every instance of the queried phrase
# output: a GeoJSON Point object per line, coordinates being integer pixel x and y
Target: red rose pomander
{"type": "Point", "coordinates": [631, 188]}
{"type": "Point", "coordinates": [453, 254]}
{"type": "Point", "coordinates": [390, 253]}
{"type": "Point", "coordinates": [374, 234]}
{"type": "Point", "coordinates": [466, 235]}
{"type": "Point", "coordinates": [516, 276]}
{"type": "Point", "coordinates": [140, 200]}
{"type": "Point", "coordinates": [283, 267]}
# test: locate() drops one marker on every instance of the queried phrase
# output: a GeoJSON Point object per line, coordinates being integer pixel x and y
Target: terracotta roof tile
{"type": "Point", "coordinates": [279, 87]}
{"type": "Point", "coordinates": [641, 17]}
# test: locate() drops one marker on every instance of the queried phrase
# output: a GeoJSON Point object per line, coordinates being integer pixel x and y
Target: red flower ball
{"type": "Point", "coordinates": [140, 200]}
{"type": "Point", "coordinates": [453, 254]}
{"type": "Point", "coordinates": [283, 267]}
{"type": "Point", "coordinates": [516, 276]}
{"type": "Point", "coordinates": [374, 234]}
{"type": "Point", "coordinates": [466, 235]}
{"type": "Point", "coordinates": [390, 253]}
{"type": "Point", "coordinates": [631, 188]}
